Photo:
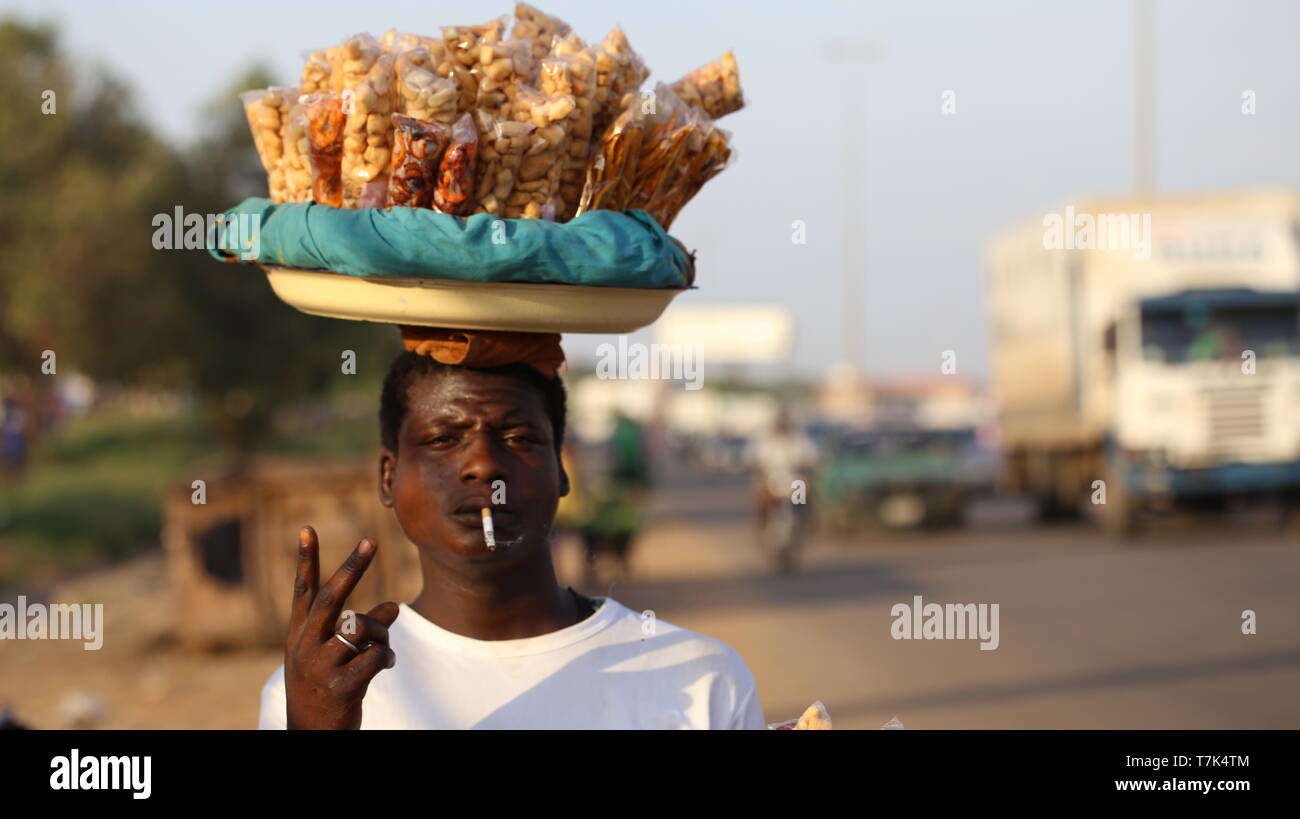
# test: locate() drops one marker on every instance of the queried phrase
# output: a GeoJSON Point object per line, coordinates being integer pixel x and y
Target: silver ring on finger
{"type": "Point", "coordinates": [348, 642]}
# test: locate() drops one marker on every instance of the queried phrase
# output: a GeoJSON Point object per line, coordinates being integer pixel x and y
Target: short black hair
{"type": "Point", "coordinates": [408, 366]}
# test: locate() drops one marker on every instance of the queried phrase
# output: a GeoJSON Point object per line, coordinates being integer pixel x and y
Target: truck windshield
{"type": "Point", "coordinates": [1206, 332]}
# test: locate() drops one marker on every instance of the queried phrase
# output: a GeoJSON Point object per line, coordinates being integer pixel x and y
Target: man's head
{"type": "Point", "coordinates": [456, 440]}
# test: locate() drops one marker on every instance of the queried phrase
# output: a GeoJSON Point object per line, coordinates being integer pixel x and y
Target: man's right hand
{"type": "Point", "coordinates": [325, 679]}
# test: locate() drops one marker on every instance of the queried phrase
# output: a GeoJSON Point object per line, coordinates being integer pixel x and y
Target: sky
{"type": "Point", "coordinates": [1043, 95]}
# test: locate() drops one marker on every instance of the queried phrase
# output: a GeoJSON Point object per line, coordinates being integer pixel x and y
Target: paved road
{"type": "Point", "coordinates": [1092, 634]}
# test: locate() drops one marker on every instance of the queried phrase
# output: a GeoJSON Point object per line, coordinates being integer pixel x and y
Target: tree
{"type": "Point", "coordinates": [79, 190]}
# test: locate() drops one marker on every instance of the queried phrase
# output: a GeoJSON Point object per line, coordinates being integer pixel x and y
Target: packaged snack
{"type": "Point", "coordinates": [444, 65]}
{"type": "Point", "coordinates": [614, 163]}
{"type": "Point", "coordinates": [706, 153]}
{"type": "Point", "coordinates": [267, 110]}
{"type": "Point", "coordinates": [367, 149]}
{"type": "Point", "coordinates": [619, 71]}
{"type": "Point", "coordinates": [457, 168]}
{"type": "Point", "coordinates": [316, 70]}
{"type": "Point", "coordinates": [417, 152]}
{"type": "Point", "coordinates": [537, 27]}
{"type": "Point", "coordinates": [296, 162]}
{"type": "Point", "coordinates": [668, 125]}
{"type": "Point", "coordinates": [815, 718]}
{"type": "Point", "coordinates": [501, 151]}
{"type": "Point", "coordinates": [395, 42]}
{"type": "Point", "coordinates": [502, 67]}
{"type": "Point", "coordinates": [714, 87]}
{"type": "Point", "coordinates": [463, 42]}
{"type": "Point", "coordinates": [574, 75]}
{"type": "Point", "coordinates": [356, 56]}
{"type": "Point", "coordinates": [325, 123]}
{"type": "Point", "coordinates": [421, 93]}
{"type": "Point", "coordinates": [538, 179]}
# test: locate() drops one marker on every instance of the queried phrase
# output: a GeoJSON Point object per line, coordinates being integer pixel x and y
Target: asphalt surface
{"type": "Point", "coordinates": [1092, 633]}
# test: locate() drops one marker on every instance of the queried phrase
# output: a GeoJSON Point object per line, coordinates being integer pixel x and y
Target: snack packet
{"type": "Point", "coordinates": [457, 168]}
{"type": "Point", "coordinates": [325, 123]}
{"type": "Point", "coordinates": [421, 93]}
{"type": "Point", "coordinates": [815, 718]}
{"type": "Point", "coordinates": [574, 75]}
{"type": "Point", "coordinates": [714, 87]}
{"type": "Point", "coordinates": [267, 110]}
{"type": "Point", "coordinates": [614, 163]}
{"type": "Point", "coordinates": [706, 152]}
{"type": "Point", "coordinates": [502, 68]}
{"type": "Point", "coordinates": [296, 163]}
{"type": "Point", "coordinates": [316, 71]}
{"type": "Point", "coordinates": [417, 152]}
{"type": "Point", "coordinates": [668, 125]}
{"type": "Point", "coordinates": [538, 179]}
{"type": "Point", "coordinates": [395, 42]}
{"type": "Point", "coordinates": [501, 151]}
{"type": "Point", "coordinates": [367, 146]}
{"type": "Point", "coordinates": [619, 72]}
{"type": "Point", "coordinates": [537, 27]}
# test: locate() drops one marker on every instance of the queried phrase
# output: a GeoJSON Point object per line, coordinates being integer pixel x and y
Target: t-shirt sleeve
{"type": "Point", "coordinates": [272, 714]}
{"type": "Point", "coordinates": [748, 715]}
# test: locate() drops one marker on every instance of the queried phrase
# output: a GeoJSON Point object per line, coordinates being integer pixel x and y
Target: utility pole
{"type": "Point", "coordinates": [1144, 95]}
{"type": "Point", "coordinates": [852, 53]}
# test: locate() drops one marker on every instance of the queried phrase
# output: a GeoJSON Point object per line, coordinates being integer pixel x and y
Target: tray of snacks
{"type": "Point", "coordinates": [512, 306]}
{"type": "Point", "coordinates": [506, 176]}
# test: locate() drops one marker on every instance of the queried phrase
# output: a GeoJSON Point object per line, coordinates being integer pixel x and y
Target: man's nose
{"type": "Point", "coordinates": [482, 462]}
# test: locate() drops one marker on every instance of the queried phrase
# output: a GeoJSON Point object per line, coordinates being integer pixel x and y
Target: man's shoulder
{"type": "Point", "coordinates": [681, 644]}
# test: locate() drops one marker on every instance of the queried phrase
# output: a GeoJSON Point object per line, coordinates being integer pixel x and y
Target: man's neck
{"type": "Point", "coordinates": [519, 605]}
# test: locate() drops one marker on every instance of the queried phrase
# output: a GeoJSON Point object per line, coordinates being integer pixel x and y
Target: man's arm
{"type": "Point", "coordinates": [749, 713]}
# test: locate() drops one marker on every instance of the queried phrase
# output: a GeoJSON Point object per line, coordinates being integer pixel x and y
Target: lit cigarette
{"type": "Point", "coordinates": [488, 534]}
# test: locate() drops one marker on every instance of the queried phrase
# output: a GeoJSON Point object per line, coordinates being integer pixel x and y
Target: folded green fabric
{"type": "Point", "coordinates": [600, 247]}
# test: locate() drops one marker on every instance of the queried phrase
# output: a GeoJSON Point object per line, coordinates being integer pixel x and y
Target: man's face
{"type": "Point", "coordinates": [471, 438]}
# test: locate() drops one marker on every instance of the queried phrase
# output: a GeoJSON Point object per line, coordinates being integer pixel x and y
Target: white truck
{"type": "Point", "coordinates": [1146, 351]}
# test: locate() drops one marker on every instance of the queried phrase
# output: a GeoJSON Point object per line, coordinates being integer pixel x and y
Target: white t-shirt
{"type": "Point", "coordinates": [603, 672]}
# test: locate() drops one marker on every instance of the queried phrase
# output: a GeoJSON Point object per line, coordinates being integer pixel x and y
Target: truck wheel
{"type": "Point", "coordinates": [1051, 510]}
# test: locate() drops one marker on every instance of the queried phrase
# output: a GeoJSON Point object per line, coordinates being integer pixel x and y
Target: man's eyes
{"type": "Point", "coordinates": [514, 436]}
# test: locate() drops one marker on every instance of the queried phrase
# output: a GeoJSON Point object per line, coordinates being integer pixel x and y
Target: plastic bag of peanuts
{"type": "Point", "coordinates": [367, 136]}
{"type": "Point", "coordinates": [296, 162]}
{"type": "Point", "coordinates": [417, 152]}
{"type": "Point", "coordinates": [714, 87]}
{"type": "Point", "coordinates": [619, 72]}
{"type": "Point", "coordinates": [267, 110]}
{"type": "Point", "coordinates": [501, 151]}
{"type": "Point", "coordinates": [538, 180]}
{"type": "Point", "coordinates": [421, 93]}
{"type": "Point", "coordinates": [574, 75]}
{"type": "Point", "coordinates": [395, 42]}
{"type": "Point", "coordinates": [316, 71]}
{"type": "Point", "coordinates": [502, 69]}
{"type": "Point", "coordinates": [538, 27]}
{"type": "Point", "coordinates": [456, 171]}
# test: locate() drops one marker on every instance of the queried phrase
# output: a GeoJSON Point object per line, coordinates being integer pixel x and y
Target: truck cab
{"type": "Point", "coordinates": [1207, 395]}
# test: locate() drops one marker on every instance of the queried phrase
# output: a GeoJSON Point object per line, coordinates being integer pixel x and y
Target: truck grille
{"type": "Point", "coordinates": [1236, 421]}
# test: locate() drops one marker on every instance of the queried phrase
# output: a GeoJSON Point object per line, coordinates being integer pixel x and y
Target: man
{"type": "Point", "coordinates": [780, 457]}
{"type": "Point", "coordinates": [492, 640]}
